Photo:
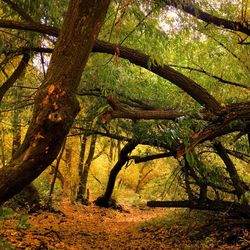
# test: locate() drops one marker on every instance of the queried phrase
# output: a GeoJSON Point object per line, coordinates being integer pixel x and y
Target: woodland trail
{"type": "Point", "coordinates": [89, 227]}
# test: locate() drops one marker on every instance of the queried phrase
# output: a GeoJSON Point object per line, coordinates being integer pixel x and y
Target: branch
{"type": "Point", "coordinates": [190, 8]}
{"type": "Point", "coordinates": [239, 155]}
{"type": "Point", "coordinates": [119, 111]}
{"type": "Point", "coordinates": [16, 74]}
{"type": "Point", "coordinates": [213, 76]}
{"type": "Point", "coordinates": [209, 133]}
{"type": "Point", "coordinates": [139, 159]}
{"type": "Point", "coordinates": [218, 205]}
{"type": "Point", "coordinates": [186, 84]}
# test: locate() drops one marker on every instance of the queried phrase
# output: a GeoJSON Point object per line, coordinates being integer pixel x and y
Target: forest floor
{"type": "Point", "coordinates": [79, 227]}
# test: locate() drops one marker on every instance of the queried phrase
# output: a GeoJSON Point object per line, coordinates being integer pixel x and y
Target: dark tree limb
{"type": "Point", "coordinates": [191, 8]}
{"type": "Point", "coordinates": [224, 206]}
{"type": "Point", "coordinates": [16, 74]}
{"type": "Point", "coordinates": [239, 155]}
{"type": "Point", "coordinates": [139, 159]}
{"type": "Point", "coordinates": [186, 84]}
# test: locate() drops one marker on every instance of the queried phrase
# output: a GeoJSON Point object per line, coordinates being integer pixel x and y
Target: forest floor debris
{"type": "Point", "coordinates": [90, 227]}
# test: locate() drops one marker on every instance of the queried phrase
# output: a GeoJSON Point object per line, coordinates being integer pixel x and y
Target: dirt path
{"type": "Point", "coordinates": [80, 227]}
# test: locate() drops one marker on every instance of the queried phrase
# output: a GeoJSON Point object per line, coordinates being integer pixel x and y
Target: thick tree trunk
{"type": "Point", "coordinates": [84, 177]}
{"type": "Point", "coordinates": [56, 105]}
{"type": "Point", "coordinates": [232, 208]}
{"type": "Point", "coordinates": [103, 201]}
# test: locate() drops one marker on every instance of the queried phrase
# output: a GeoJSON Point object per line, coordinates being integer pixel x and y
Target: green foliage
{"type": "Point", "coordinates": [4, 245]}
{"type": "Point", "coordinates": [6, 213]}
{"type": "Point", "coordinates": [23, 222]}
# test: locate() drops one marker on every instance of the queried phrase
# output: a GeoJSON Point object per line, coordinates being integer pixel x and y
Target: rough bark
{"type": "Point", "coordinates": [56, 105]}
{"type": "Point", "coordinates": [225, 206]}
{"type": "Point", "coordinates": [103, 201]}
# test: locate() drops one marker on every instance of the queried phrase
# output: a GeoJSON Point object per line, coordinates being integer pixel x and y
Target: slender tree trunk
{"type": "Point", "coordinates": [56, 105]}
{"type": "Point", "coordinates": [2, 149]}
{"type": "Point", "coordinates": [67, 189]}
{"type": "Point", "coordinates": [239, 185]}
{"type": "Point", "coordinates": [79, 195]}
{"type": "Point", "coordinates": [49, 201]}
{"type": "Point", "coordinates": [82, 195]}
{"type": "Point", "coordinates": [103, 201]}
{"type": "Point", "coordinates": [16, 142]}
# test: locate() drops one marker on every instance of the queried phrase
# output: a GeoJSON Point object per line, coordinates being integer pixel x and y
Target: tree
{"type": "Point", "coordinates": [56, 105]}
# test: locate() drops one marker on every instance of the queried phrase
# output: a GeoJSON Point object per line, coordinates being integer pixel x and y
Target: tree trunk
{"type": "Point", "coordinates": [67, 189]}
{"type": "Point", "coordinates": [103, 201]}
{"type": "Point", "coordinates": [56, 105]}
{"type": "Point", "coordinates": [80, 167]}
{"type": "Point", "coordinates": [84, 177]}
{"type": "Point", "coordinates": [49, 201]}
{"type": "Point", "coordinates": [16, 141]}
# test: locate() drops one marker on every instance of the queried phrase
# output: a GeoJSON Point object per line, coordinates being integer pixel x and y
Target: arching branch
{"type": "Point", "coordinates": [186, 84]}
{"type": "Point", "coordinates": [191, 8]}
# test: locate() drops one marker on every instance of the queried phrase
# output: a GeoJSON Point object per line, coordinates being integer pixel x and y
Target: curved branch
{"type": "Point", "coordinates": [16, 74]}
{"type": "Point", "coordinates": [189, 86]}
{"type": "Point", "coordinates": [190, 8]}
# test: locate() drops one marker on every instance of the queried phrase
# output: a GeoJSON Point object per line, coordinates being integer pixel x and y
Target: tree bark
{"type": "Point", "coordinates": [56, 105]}
{"type": "Point", "coordinates": [103, 201]}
